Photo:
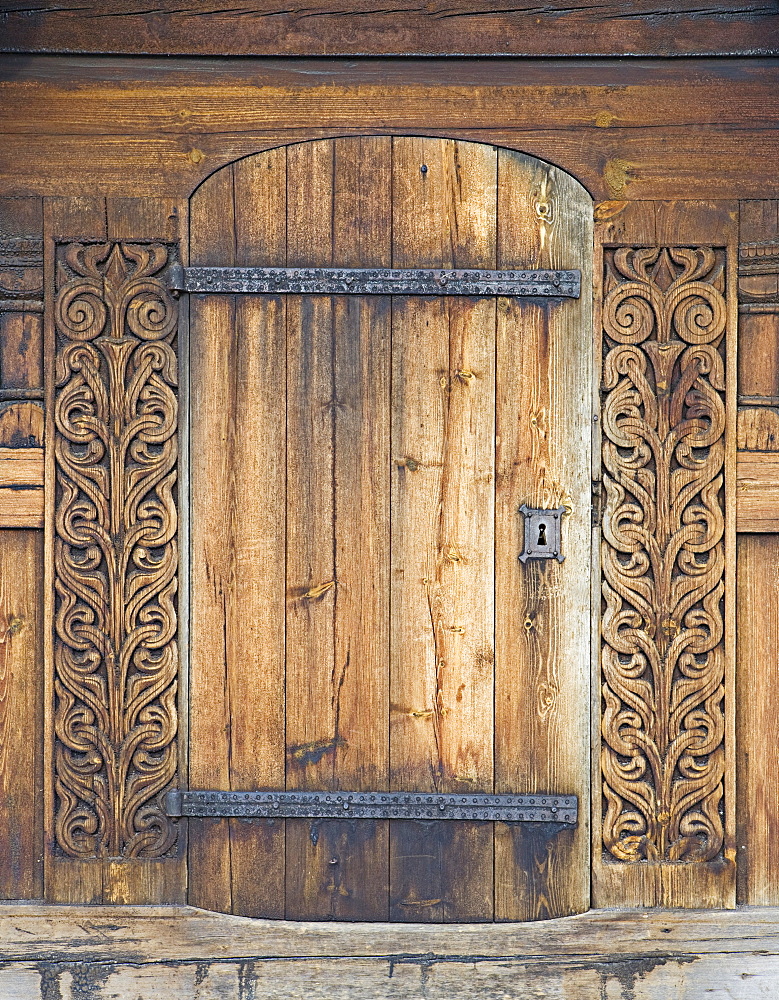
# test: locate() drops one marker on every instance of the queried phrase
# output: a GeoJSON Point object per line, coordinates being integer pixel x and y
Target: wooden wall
{"type": "Point", "coordinates": [21, 548]}
{"type": "Point", "coordinates": [114, 146]}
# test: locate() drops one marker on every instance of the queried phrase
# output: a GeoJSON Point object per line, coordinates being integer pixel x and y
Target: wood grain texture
{"type": "Point", "coordinates": [21, 715]}
{"type": "Point", "coordinates": [758, 795]}
{"type": "Point", "coordinates": [238, 475]}
{"type": "Point", "coordinates": [686, 884]}
{"type": "Point", "coordinates": [389, 660]}
{"type": "Point", "coordinates": [442, 598]}
{"type": "Point", "coordinates": [21, 425]}
{"type": "Point", "coordinates": [757, 491]}
{"type": "Point", "coordinates": [653, 954]}
{"type": "Point", "coordinates": [339, 870]}
{"type": "Point", "coordinates": [542, 460]}
{"type": "Point", "coordinates": [758, 428]}
{"type": "Point", "coordinates": [758, 332]}
{"type": "Point", "coordinates": [116, 553]}
{"type": "Point", "coordinates": [160, 127]}
{"type": "Point", "coordinates": [21, 487]}
{"type": "Point", "coordinates": [468, 26]}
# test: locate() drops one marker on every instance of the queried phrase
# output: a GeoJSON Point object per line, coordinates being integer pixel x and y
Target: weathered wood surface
{"type": "Point", "coordinates": [757, 491]}
{"type": "Point", "coordinates": [21, 487]}
{"type": "Point", "coordinates": [757, 500]}
{"type": "Point", "coordinates": [375, 668]}
{"type": "Point", "coordinates": [442, 597]}
{"type": "Point", "coordinates": [21, 715]}
{"type": "Point", "coordinates": [644, 800]}
{"type": "Point", "coordinates": [757, 721]}
{"type": "Point", "coordinates": [181, 953]}
{"type": "Point", "coordinates": [332, 28]}
{"type": "Point", "coordinates": [543, 421]}
{"type": "Point", "coordinates": [160, 128]}
{"type": "Point", "coordinates": [103, 878]}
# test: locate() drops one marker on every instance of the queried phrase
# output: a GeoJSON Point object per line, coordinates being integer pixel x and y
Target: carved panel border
{"type": "Point", "coordinates": [663, 554]}
{"type": "Point", "coordinates": [115, 550]}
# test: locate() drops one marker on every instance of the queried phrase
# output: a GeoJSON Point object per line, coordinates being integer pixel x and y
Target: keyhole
{"type": "Point", "coordinates": [542, 542]}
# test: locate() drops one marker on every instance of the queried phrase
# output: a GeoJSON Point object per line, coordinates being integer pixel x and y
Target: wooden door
{"type": "Point", "coordinates": [359, 616]}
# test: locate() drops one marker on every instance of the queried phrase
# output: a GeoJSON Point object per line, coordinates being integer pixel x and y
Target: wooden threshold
{"type": "Point", "coordinates": [180, 952]}
{"type": "Point", "coordinates": [185, 933]}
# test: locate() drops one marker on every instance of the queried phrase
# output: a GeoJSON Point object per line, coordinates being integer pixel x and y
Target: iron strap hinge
{"type": "Point", "coordinates": [373, 281]}
{"type": "Point", "coordinates": [376, 805]}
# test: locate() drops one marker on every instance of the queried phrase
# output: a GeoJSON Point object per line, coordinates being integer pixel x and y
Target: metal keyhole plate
{"type": "Point", "coordinates": [543, 537]}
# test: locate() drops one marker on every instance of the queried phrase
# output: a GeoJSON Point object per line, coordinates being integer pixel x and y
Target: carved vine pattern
{"type": "Point", "coordinates": [663, 554]}
{"type": "Point", "coordinates": [116, 556]}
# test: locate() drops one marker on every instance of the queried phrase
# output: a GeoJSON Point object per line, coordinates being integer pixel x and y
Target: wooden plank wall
{"type": "Point", "coordinates": [757, 682]}
{"type": "Point", "coordinates": [21, 549]}
{"type": "Point", "coordinates": [152, 130]}
{"type": "Point", "coordinates": [161, 127]}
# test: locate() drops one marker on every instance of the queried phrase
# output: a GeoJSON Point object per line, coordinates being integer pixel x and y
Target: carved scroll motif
{"type": "Point", "coordinates": [115, 416]}
{"type": "Point", "coordinates": [663, 554]}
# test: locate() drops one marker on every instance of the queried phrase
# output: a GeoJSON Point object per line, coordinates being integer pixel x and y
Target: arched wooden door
{"type": "Point", "coordinates": [359, 616]}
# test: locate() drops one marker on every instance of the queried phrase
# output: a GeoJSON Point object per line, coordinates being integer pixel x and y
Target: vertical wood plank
{"type": "Point", "coordinates": [341, 867]}
{"type": "Point", "coordinates": [255, 653]}
{"type": "Point", "coordinates": [212, 318]}
{"type": "Point", "coordinates": [544, 364]}
{"type": "Point", "coordinates": [757, 720]}
{"type": "Point", "coordinates": [758, 333]}
{"type": "Point", "coordinates": [758, 607]}
{"type": "Point", "coordinates": [444, 198]}
{"type": "Point", "coordinates": [238, 380]}
{"type": "Point", "coordinates": [66, 880]}
{"type": "Point", "coordinates": [21, 715]}
{"type": "Point", "coordinates": [142, 219]}
{"type": "Point", "coordinates": [628, 223]}
{"type": "Point", "coordinates": [313, 737]}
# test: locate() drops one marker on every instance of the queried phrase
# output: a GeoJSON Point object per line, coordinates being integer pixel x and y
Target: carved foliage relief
{"type": "Point", "coordinates": [115, 418]}
{"type": "Point", "coordinates": [663, 387]}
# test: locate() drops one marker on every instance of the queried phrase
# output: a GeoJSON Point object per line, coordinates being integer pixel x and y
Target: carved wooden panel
{"type": "Point", "coordinates": [663, 557]}
{"type": "Point", "coordinates": [115, 550]}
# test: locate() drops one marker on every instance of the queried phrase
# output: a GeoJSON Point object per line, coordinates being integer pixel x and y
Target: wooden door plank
{"type": "Point", "coordinates": [544, 359]}
{"type": "Point", "coordinates": [312, 737]}
{"type": "Point", "coordinates": [21, 715]}
{"type": "Point", "coordinates": [444, 197]}
{"type": "Point", "coordinates": [212, 318]}
{"type": "Point", "coordinates": [343, 866]}
{"type": "Point", "coordinates": [256, 627]}
{"type": "Point", "coordinates": [238, 542]}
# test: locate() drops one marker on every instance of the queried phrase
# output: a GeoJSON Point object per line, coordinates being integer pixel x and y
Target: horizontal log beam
{"type": "Point", "coordinates": [757, 491]}
{"type": "Point", "coordinates": [253, 27]}
{"type": "Point", "coordinates": [21, 487]}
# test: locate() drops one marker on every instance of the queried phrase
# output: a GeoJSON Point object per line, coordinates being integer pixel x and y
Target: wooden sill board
{"type": "Point", "coordinates": [757, 491]}
{"type": "Point", "coordinates": [21, 487]}
{"type": "Point", "coordinates": [180, 953]}
{"type": "Point", "coordinates": [67, 933]}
